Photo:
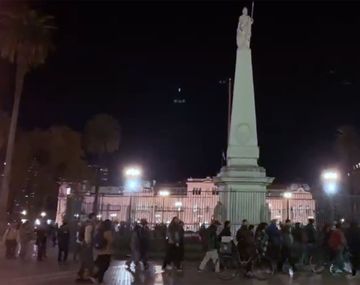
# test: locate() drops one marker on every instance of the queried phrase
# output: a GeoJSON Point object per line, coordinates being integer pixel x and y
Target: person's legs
{"type": "Point", "coordinates": [39, 252]}
{"type": "Point", "coordinates": [205, 260]}
{"type": "Point", "coordinates": [24, 249]}
{"type": "Point", "coordinates": [168, 256]}
{"type": "Point", "coordinates": [339, 260]}
{"type": "Point", "coordinates": [215, 259]}
{"type": "Point", "coordinates": [83, 262]}
{"type": "Point", "coordinates": [103, 263]}
{"type": "Point", "coordinates": [60, 251]}
{"type": "Point", "coordinates": [66, 252]}
{"type": "Point", "coordinates": [355, 262]}
{"type": "Point", "coordinates": [13, 245]}
{"type": "Point", "coordinates": [7, 251]}
{"type": "Point", "coordinates": [176, 257]}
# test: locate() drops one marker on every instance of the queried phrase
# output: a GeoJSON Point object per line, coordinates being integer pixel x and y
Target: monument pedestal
{"type": "Point", "coordinates": [242, 192]}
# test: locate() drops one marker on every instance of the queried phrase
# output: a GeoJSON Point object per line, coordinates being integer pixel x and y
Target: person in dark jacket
{"type": "Point", "coordinates": [311, 239]}
{"type": "Point", "coordinates": [353, 242]}
{"type": "Point", "coordinates": [275, 241]}
{"type": "Point", "coordinates": [286, 248]}
{"type": "Point", "coordinates": [202, 235]}
{"type": "Point", "coordinates": [143, 233]}
{"type": "Point", "coordinates": [173, 245]}
{"type": "Point", "coordinates": [41, 241]}
{"type": "Point", "coordinates": [225, 232]}
{"type": "Point", "coordinates": [246, 245]}
{"type": "Point", "coordinates": [63, 237]}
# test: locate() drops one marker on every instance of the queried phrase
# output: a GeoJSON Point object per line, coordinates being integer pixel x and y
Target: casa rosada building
{"type": "Point", "coordinates": [193, 202]}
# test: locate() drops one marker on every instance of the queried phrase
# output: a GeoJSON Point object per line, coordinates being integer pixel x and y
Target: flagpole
{"type": "Point", "coordinates": [229, 107]}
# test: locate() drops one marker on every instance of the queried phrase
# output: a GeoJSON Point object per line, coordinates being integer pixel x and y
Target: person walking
{"type": "Point", "coordinates": [246, 246]}
{"type": "Point", "coordinates": [173, 245]}
{"type": "Point", "coordinates": [261, 238]}
{"type": "Point", "coordinates": [86, 235]}
{"type": "Point", "coordinates": [63, 240]}
{"type": "Point", "coordinates": [26, 235]}
{"type": "Point", "coordinates": [143, 234]}
{"type": "Point", "coordinates": [310, 234]}
{"type": "Point", "coordinates": [337, 243]}
{"type": "Point", "coordinates": [212, 247]}
{"type": "Point", "coordinates": [41, 240]}
{"type": "Point", "coordinates": [286, 249]}
{"type": "Point", "coordinates": [134, 246]}
{"type": "Point", "coordinates": [10, 239]}
{"type": "Point", "coordinates": [353, 242]}
{"type": "Point", "coordinates": [103, 240]}
{"type": "Point", "coordinates": [275, 241]}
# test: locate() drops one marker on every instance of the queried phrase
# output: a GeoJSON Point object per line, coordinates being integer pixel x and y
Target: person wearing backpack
{"type": "Point", "coordinates": [85, 238]}
{"type": "Point", "coordinates": [103, 240]}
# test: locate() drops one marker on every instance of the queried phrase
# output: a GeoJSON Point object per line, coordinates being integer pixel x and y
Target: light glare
{"type": "Point", "coordinates": [164, 193]}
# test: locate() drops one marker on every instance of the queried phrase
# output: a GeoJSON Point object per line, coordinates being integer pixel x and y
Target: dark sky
{"type": "Point", "coordinates": [128, 59]}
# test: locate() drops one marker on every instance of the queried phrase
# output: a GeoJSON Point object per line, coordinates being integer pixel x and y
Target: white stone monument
{"type": "Point", "coordinates": [242, 181]}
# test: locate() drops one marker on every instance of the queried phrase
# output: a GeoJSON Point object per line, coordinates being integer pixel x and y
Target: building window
{"type": "Point", "coordinates": [215, 191]}
{"type": "Point", "coordinates": [196, 191]}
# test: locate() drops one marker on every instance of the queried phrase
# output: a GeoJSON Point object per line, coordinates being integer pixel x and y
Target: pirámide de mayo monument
{"type": "Point", "coordinates": [242, 181]}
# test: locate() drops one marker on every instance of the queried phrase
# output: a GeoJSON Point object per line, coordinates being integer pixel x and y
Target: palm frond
{"type": "Point", "coordinates": [25, 35]}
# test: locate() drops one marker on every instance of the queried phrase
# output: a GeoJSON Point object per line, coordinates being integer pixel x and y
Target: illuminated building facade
{"type": "Point", "coordinates": [193, 202]}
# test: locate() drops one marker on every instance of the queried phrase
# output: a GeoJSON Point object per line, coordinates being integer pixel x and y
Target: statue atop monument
{"type": "Point", "coordinates": [244, 30]}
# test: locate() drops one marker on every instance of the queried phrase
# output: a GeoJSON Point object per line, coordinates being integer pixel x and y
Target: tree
{"type": "Point", "coordinates": [42, 159]}
{"type": "Point", "coordinates": [102, 137]}
{"type": "Point", "coordinates": [25, 40]}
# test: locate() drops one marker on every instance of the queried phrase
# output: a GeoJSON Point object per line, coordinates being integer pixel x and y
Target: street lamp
{"type": "Point", "coordinates": [163, 194]}
{"type": "Point", "coordinates": [24, 212]}
{"type": "Point", "coordinates": [330, 180]}
{"type": "Point", "coordinates": [132, 183]}
{"type": "Point", "coordinates": [43, 214]}
{"type": "Point", "coordinates": [287, 196]}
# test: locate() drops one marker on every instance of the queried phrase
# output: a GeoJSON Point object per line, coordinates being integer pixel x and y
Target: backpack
{"type": "Point", "coordinates": [335, 240]}
{"type": "Point", "coordinates": [99, 240]}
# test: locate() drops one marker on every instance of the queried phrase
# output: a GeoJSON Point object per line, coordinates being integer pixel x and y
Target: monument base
{"type": "Point", "coordinates": [242, 192]}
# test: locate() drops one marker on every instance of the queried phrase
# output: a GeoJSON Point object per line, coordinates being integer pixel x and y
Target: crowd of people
{"type": "Point", "coordinates": [334, 246]}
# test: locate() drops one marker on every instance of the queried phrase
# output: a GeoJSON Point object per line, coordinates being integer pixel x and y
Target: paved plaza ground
{"type": "Point", "coordinates": [50, 273]}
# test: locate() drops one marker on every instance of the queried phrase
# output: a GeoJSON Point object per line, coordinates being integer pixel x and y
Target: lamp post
{"type": "Point", "coordinates": [330, 181]}
{"type": "Point", "coordinates": [287, 196]}
{"type": "Point", "coordinates": [132, 183]}
{"type": "Point", "coordinates": [163, 194]}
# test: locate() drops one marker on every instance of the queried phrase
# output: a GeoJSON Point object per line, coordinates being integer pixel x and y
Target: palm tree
{"type": "Point", "coordinates": [102, 137]}
{"type": "Point", "coordinates": [25, 40]}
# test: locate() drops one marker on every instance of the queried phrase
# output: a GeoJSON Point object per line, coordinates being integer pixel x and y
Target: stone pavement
{"type": "Point", "coordinates": [118, 274]}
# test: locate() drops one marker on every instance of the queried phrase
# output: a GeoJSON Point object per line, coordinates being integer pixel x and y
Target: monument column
{"type": "Point", "coordinates": [242, 181]}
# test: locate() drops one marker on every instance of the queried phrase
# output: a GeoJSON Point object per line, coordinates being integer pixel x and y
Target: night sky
{"type": "Point", "coordinates": [130, 59]}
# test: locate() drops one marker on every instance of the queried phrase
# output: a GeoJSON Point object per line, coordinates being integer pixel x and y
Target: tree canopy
{"type": "Point", "coordinates": [102, 135]}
